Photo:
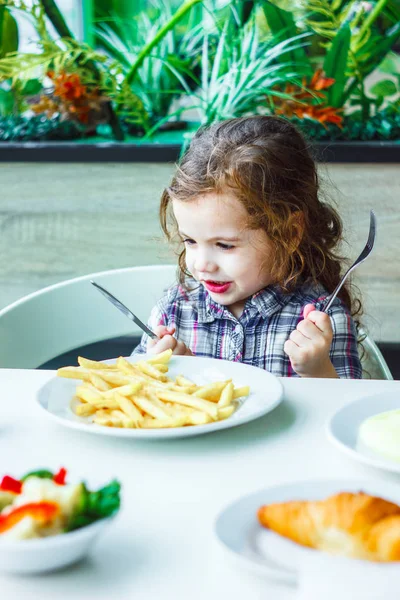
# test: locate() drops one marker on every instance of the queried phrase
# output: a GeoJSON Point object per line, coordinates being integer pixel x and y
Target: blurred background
{"type": "Point", "coordinates": [97, 75]}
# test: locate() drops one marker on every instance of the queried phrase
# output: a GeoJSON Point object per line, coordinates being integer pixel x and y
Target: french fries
{"type": "Point", "coordinates": [142, 395]}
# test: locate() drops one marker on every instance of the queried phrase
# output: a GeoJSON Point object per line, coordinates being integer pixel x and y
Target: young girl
{"type": "Point", "coordinates": [258, 254]}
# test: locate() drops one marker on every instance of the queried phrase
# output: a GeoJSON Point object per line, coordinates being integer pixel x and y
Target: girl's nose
{"type": "Point", "coordinates": [204, 263]}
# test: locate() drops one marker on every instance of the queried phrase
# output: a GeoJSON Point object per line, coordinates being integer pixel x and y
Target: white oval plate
{"type": "Point", "coordinates": [342, 428]}
{"type": "Point", "coordinates": [265, 394]}
{"type": "Point", "coordinates": [256, 548]}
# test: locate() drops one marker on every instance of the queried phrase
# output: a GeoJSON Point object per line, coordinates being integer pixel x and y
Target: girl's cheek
{"type": "Point", "coordinates": [232, 263]}
{"type": "Point", "coordinates": [189, 259]}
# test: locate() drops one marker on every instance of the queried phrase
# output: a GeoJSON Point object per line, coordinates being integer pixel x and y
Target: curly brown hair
{"type": "Point", "coordinates": [265, 162]}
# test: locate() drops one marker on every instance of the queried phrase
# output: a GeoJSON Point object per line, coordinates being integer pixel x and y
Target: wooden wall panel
{"type": "Point", "coordinates": [59, 221]}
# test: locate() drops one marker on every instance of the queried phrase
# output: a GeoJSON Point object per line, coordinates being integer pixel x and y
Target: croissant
{"type": "Point", "coordinates": [353, 525]}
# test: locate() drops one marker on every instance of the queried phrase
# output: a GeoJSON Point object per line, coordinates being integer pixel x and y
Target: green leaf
{"type": "Point", "coordinates": [335, 65]}
{"type": "Point", "coordinates": [2, 11]}
{"type": "Point", "coordinates": [390, 64]}
{"type": "Point", "coordinates": [163, 31]}
{"type": "Point", "coordinates": [380, 49]}
{"type": "Point", "coordinates": [392, 10]}
{"type": "Point", "coordinates": [281, 23]}
{"type": "Point", "coordinates": [8, 32]}
{"type": "Point", "coordinates": [31, 87]}
{"type": "Point", "coordinates": [6, 102]}
{"type": "Point", "coordinates": [383, 88]}
{"type": "Point", "coordinates": [96, 505]}
{"type": "Point", "coordinates": [57, 20]}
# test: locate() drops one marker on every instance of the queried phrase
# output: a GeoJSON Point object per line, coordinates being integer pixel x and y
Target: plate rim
{"type": "Point", "coordinates": [166, 433]}
{"type": "Point", "coordinates": [376, 462]}
{"type": "Point", "coordinates": [280, 575]}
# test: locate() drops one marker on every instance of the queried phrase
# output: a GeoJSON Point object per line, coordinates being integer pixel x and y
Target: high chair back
{"type": "Point", "coordinates": [373, 362]}
{"type": "Point", "coordinates": [73, 313]}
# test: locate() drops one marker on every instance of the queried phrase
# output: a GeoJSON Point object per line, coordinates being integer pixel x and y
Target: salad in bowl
{"type": "Point", "coordinates": [47, 522]}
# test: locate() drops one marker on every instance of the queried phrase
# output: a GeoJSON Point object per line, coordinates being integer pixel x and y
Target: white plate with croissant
{"type": "Point", "coordinates": [368, 430]}
{"type": "Point", "coordinates": [277, 531]}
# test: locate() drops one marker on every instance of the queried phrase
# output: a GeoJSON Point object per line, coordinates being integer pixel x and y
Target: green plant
{"type": "Point", "coordinates": [282, 23]}
{"type": "Point", "coordinates": [388, 89]}
{"type": "Point", "coordinates": [8, 43]}
{"type": "Point", "coordinates": [354, 43]}
{"type": "Point", "coordinates": [8, 32]}
{"type": "Point", "coordinates": [168, 26]}
{"type": "Point", "coordinates": [231, 58]}
{"type": "Point", "coordinates": [385, 126]}
{"type": "Point", "coordinates": [158, 80]}
{"type": "Point", "coordinates": [38, 128]}
{"type": "Point", "coordinates": [66, 55]}
{"type": "Point", "coordinates": [6, 100]}
{"type": "Point", "coordinates": [350, 43]}
{"type": "Point", "coordinates": [240, 70]}
{"type": "Point", "coordinates": [114, 81]}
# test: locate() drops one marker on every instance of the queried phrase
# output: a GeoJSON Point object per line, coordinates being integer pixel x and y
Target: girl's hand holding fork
{"type": "Point", "coordinates": [309, 344]}
{"type": "Point", "coordinates": [167, 341]}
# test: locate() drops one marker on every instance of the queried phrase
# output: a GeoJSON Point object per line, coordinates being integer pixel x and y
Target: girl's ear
{"type": "Point", "coordinates": [296, 224]}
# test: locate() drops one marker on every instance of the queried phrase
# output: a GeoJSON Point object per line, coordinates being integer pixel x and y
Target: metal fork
{"type": "Point", "coordinates": [326, 304]}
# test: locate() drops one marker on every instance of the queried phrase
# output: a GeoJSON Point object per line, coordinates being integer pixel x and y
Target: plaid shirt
{"type": "Point", "coordinates": [258, 336]}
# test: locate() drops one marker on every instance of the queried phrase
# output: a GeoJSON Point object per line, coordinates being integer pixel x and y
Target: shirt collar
{"type": "Point", "coordinates": [269, 300]}
{"type": "Point", "coordinates": [208, 310]}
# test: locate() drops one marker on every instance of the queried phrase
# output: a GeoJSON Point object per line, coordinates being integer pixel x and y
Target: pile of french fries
{"type": "Point", "coordinates": [141, 395]}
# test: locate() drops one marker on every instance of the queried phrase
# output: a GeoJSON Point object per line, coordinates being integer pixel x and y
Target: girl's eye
{"type": "Point", "coordinates": [188, 241]}
{"type": "Point", "coordinates": [225, 246]}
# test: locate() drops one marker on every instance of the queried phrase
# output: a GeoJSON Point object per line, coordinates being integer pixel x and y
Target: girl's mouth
{"type": "Point", "coordinates": [218, 287]}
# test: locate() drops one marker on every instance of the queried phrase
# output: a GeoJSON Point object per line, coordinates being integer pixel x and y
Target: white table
{"type": "Point", "coordinates": [162, 544]}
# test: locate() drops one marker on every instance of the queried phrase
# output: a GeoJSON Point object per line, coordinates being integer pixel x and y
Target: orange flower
{"type": "Point", "coordinates": [70, 97]}
{"type": "Point", "coordinates": [301, 102]}
{"type": "Point", "coordinates": [327, 114]}
{"type": "Point", "coordinates": [68, 86]}
{"type": "Point", "coordinates": [320, 82]}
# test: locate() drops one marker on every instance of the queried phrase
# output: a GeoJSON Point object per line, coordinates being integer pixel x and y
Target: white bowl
{"type": "Point", "coordinates": [38, 555]}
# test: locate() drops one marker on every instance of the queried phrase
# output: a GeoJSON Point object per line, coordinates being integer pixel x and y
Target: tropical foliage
{"type": "Point", "coordinates": [159, 78]}
{"type": "Point", "coordinates": [350, 46]}
{"type": "Point", "coordinates": [203, 60]}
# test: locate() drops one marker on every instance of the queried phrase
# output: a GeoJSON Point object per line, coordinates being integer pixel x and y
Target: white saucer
{"type": "Point", "coordinates": [343, 427]}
